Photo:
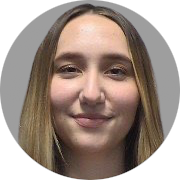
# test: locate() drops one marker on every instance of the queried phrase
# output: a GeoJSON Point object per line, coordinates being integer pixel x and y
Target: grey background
{"type": "Point", "coordinates": [17, 66]}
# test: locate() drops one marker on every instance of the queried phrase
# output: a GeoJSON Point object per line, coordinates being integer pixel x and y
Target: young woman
{"type": "Point", "coordinates": [91, 109]}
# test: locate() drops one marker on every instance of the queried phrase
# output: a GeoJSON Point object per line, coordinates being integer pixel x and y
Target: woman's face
{"type": "Point", "coordinates": [93, 92]}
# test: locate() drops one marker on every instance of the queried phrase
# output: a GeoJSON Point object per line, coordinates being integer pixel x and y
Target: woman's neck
{"type": "Point", "coordinates": [95, 165]}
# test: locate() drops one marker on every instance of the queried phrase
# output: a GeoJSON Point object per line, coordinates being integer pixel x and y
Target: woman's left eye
{"type": "Point", "coordinates": [116, 71]}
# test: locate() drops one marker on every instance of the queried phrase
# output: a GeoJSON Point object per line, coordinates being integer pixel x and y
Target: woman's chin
{"type": "Point", "coordinates": [89, 145]}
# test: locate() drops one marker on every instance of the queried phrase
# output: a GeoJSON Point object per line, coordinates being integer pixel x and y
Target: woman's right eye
{"type": "Point", "coordinates": [68, 70]}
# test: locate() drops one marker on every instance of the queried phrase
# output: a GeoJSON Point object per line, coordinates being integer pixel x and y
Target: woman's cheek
{"type": "Point", "coordinates": [125, 101]}
{"type": "Point", "coordinates": [61, 94]}
{"type": "Point", "coordinates": [126, 93]}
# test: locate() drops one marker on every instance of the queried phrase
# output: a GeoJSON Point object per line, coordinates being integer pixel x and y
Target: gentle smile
{"type": "Point", "coordinates": [90, 123]}
{"type": "Point", "coordinates": [91, 120]}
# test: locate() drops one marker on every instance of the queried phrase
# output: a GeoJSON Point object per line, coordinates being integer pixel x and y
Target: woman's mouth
{"type": "Point", "coordinates": [91, 120]}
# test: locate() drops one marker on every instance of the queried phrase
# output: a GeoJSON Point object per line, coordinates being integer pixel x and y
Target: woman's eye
{"type": "Point", "coordinates": [69, 70]}
{"type": "Point", "coordinates": [117, 71]}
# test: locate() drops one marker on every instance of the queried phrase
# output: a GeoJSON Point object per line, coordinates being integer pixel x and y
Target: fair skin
{"type": "Point", "coordinates": [94, 74]}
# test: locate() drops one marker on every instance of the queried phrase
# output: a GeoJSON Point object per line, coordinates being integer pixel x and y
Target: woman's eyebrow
{"type": "Point", "coordinates": [80, 56]}
{"type": "Point", "coordinates": [70, 56]}
{"type": "Point", "coordinates": [116, 57]}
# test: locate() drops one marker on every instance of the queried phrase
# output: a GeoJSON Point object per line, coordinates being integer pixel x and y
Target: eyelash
{"type": "Point", "coordinates": [63, 70]}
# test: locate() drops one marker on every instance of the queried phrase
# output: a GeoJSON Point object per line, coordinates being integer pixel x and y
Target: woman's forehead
{"type": "Point", "coordinates": [89, 32]}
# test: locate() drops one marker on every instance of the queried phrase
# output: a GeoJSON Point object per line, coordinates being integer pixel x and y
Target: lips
{"type": "Point", "coordinates": [91, 120]}
{"type": "Point", "coordinates": [92, 116]}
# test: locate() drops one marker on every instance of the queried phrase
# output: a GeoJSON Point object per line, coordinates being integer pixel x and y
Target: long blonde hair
{"type": "Point", "coordinates": [36, 133]}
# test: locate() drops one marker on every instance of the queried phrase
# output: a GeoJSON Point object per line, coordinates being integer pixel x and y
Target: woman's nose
{"type": "Point", "coordinates": [92, 92]}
